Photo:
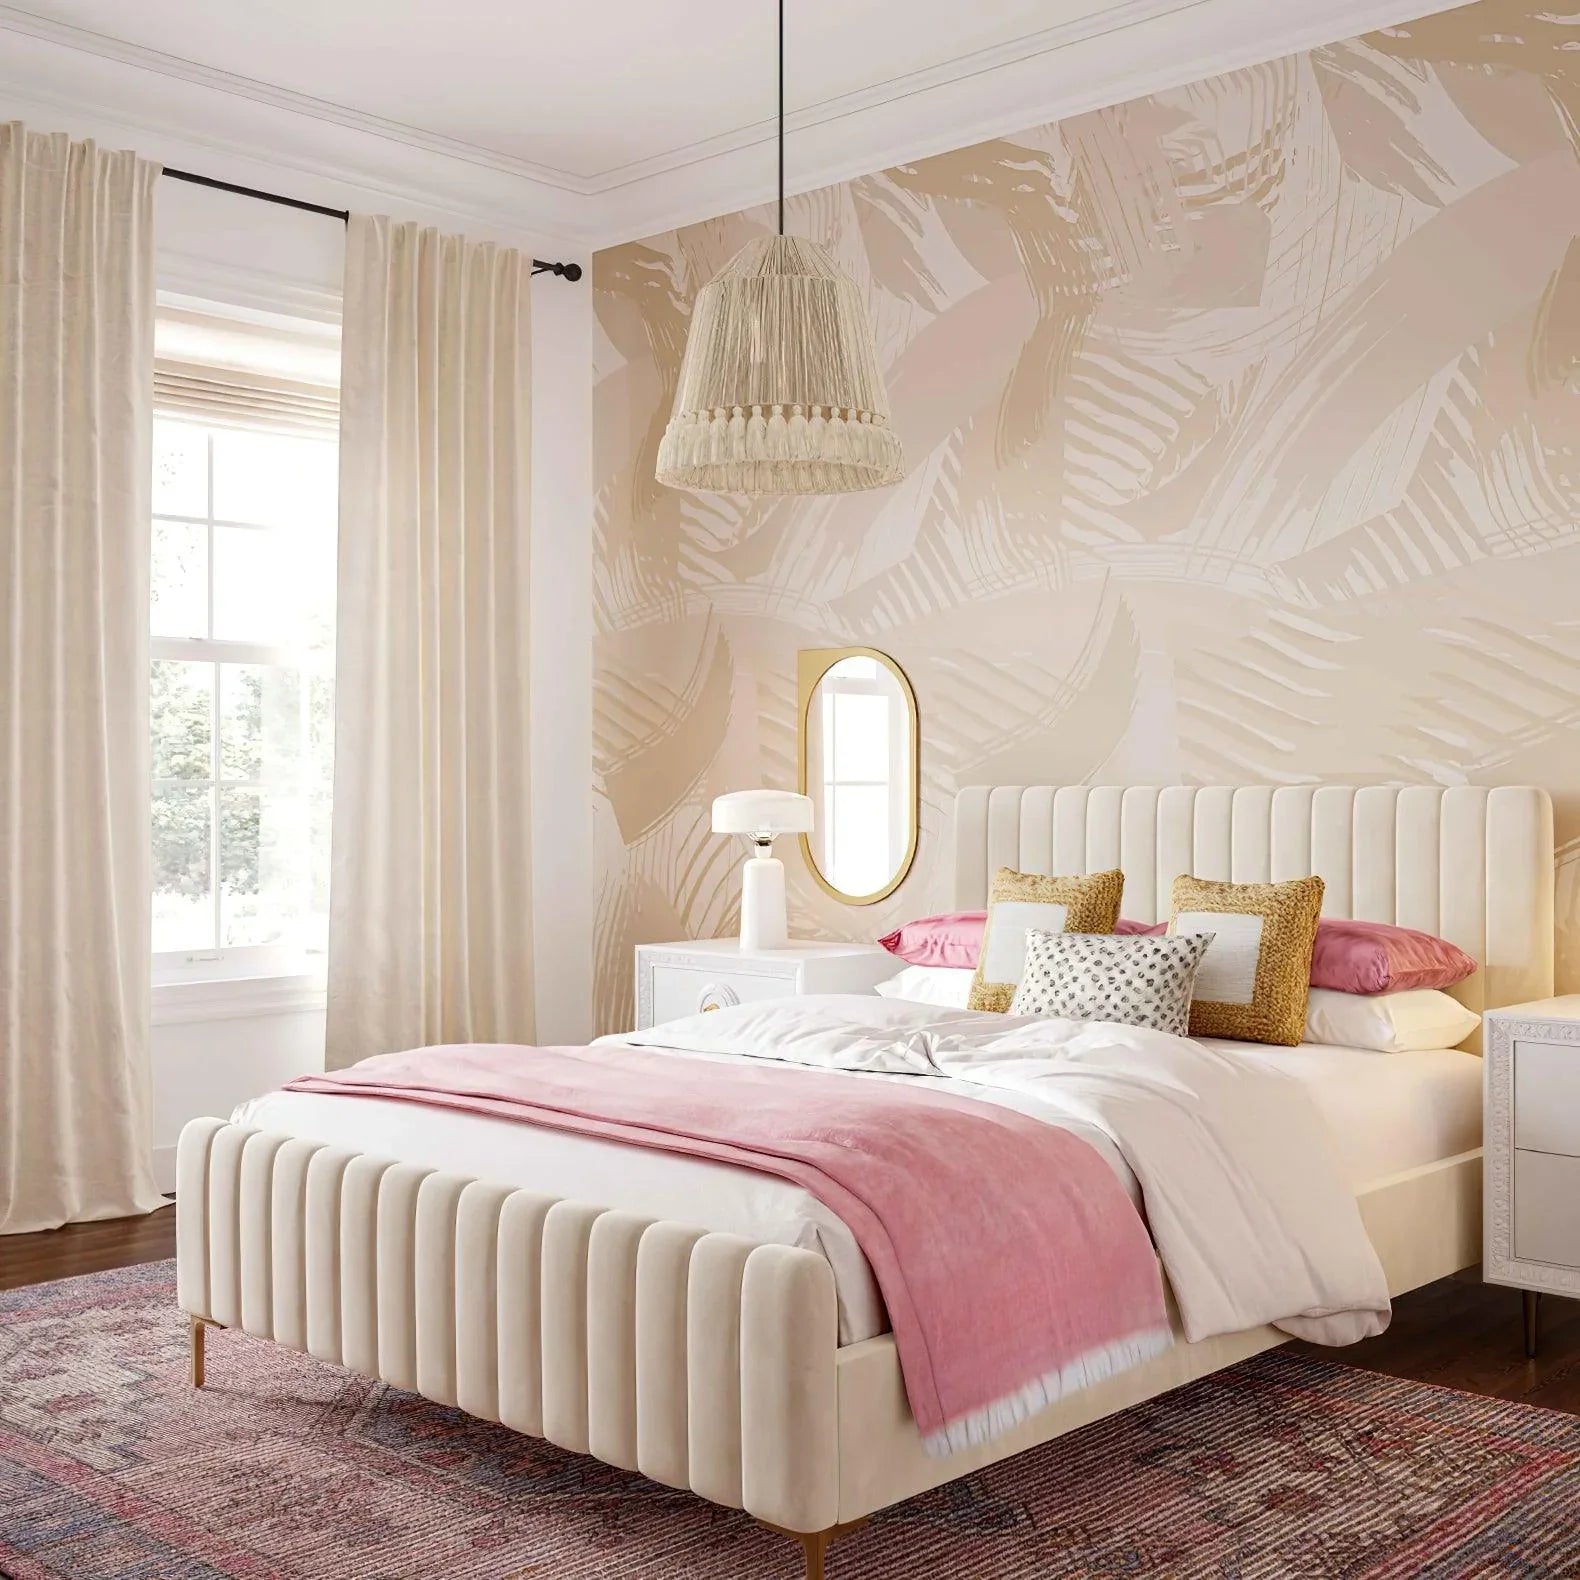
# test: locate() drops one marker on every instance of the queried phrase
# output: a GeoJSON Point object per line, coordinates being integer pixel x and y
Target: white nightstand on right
{"type": "Point", "coordinates": [1531, 1200]}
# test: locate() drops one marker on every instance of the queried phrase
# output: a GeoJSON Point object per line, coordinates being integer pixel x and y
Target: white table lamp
{"type": "Point", "coordinates": [761, 815]}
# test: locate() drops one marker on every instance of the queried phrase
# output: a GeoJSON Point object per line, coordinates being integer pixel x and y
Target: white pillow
{"type": "Point", "coordinates": [1389, 1022]}
{"type": "Point", "coordinates": [947, 986]}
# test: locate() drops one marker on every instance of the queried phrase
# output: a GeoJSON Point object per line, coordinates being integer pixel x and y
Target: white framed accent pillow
{"type": "Point", "coordinates": [1407, 1022]}
{"type": "Point", "coordinates": [949, 987]}
{"type": "Point", "coordinates": [1019, 901]}
{"type": "Point", "coordinates": [1095, 976]}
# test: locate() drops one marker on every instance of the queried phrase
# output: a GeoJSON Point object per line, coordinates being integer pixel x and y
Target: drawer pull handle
{"type": "Point", "coordinates": [717, 995]}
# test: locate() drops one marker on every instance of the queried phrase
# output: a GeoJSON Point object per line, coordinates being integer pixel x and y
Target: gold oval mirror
{"type": "Point", "coordinates": [860, 764]}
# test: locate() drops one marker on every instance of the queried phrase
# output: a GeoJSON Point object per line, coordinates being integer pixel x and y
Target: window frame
{"type": "Point", "coordinates": [220, 981]}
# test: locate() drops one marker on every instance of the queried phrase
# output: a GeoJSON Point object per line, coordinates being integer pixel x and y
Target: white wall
{"type": "Point", "coordinates": [224, 248]}
{"type": "Point", "coordinates": [209, 1066]}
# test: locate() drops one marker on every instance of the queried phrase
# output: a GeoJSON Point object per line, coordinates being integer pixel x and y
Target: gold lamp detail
{"type": "Point", "coordinates": [780, 391]}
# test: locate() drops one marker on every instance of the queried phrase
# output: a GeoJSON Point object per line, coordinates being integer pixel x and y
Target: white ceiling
{"type": "Point", "coordinates": [600, 120]}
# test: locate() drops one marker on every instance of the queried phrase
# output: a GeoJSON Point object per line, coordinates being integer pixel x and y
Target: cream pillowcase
{"type": "Point", "coordinates": [1406, 1022]}
{"type": "Point", "coordinates": [949, 987]}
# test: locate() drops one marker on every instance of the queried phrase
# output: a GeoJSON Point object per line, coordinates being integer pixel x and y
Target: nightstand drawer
{"type": "Point", "coordinates": [1547, 1208]}
{"type": "Point", "coordinates": [1547, 1096]}
{"type": "Point", "coordinates": [688, 990]}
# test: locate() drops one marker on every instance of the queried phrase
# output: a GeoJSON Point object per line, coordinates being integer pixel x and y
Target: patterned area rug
{"type": "Point", "coordinates": [112, 1468]}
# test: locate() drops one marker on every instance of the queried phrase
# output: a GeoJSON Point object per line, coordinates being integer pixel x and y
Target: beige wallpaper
{"type": "Point", "coordinates": [1243, 429]}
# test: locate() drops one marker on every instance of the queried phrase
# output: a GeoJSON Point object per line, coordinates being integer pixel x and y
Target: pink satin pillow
{"type": "Point", "coordinates": [1349, 957]}
{"type": "Point", "coordinates": [1375, 957]}
{"type": "Point", "coordinates": [953, 939]}
{"type": "Point", "coordinates": [1369, 957]}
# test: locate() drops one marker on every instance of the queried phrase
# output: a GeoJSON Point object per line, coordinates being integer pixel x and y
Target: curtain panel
{"type": "Point", "coordinates": [430, 871]}
{"type": "Point", "coordinates": [76, 378]}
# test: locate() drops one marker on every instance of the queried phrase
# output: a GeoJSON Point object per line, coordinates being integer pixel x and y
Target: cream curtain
{"type": "Point", "coordinates": [430, 897]}
{"type": "Point", "coordinates": [76, 377]}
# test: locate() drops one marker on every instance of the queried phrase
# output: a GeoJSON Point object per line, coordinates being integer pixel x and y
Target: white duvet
{"type": "Point", "coordinates": [1252, 1217]}
{"type": "Point", "coordinates": [1250, 1213]}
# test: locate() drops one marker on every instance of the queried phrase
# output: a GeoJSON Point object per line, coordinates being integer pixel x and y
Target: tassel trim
{"type": "Point", "coordinates": [1095, 1366]}
{"type": "Point", "coordinates": [779, 449]}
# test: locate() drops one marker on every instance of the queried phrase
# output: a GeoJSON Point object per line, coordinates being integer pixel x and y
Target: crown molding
{"type": "Point", "coordinates": [14, 20]}
{"type": "Point", "coordinates": [241, 130]}
{"type": "Point", "coordinates": [265, 142]}
{"type": "Point", "coordinates": [1148, 47]}
{"type": "Point", "coordinates": [1030, 46]}
{"type": "Point", "coordinates": [1126, 13]}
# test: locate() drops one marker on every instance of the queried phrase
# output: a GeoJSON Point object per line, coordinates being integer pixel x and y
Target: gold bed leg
{"type": "Point", "coordinates": [195, 1328]}
{"type": "Point", "coordinates": [815, 1544]}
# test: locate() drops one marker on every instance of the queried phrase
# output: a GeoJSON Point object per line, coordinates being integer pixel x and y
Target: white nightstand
{"type": "Point", "coordinates": [1531, 1202]}
{"type": "Point", "coordinates": [710, 973]}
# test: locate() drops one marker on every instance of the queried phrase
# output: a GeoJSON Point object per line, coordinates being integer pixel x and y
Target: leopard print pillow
{"type": "Point", "coordinates": [1095, 976]}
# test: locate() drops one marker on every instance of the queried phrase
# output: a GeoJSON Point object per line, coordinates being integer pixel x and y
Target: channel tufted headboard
{"type": "Point", "coordinates": [1472, 865]}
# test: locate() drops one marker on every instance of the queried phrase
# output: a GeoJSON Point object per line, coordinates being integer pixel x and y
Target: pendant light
{"type": "Point", "coordinates": [780, 391]}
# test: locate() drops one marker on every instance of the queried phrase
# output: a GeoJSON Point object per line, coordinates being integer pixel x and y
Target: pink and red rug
{"type": "Point", "coordinates": [113, 1468]}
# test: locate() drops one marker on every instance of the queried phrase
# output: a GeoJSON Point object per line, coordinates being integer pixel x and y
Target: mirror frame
{"type": "Point", "coordinates": [812, 664]}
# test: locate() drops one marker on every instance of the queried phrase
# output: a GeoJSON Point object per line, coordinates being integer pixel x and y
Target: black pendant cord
{"type": "Point", "coordinates": [566, 271]}
{"type": "Point", "coordinates": [781, 117]}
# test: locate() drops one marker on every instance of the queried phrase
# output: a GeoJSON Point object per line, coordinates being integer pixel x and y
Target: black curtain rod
{"type": "Point", "coordinates": [566, 271]}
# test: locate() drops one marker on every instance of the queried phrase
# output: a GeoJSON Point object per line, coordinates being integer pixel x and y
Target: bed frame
{"type": "Point", "coordinates": [711, 1363]}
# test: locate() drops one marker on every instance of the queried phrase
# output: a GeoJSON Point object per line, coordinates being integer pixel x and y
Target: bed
{"type": "Point", "coordinates": [740, 1351]}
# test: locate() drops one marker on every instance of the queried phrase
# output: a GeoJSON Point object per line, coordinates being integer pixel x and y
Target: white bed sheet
{"type": "Point", "coordinates": [1387, 1113]}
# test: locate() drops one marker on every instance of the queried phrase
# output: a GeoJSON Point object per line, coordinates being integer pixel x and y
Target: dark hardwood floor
{"type": "Point", "coordinates": [86, 1248]}
{"type": "Point", "coordinates": [1462, 1333]}
{"type": "Point", "coordinates": [1458, 1332]}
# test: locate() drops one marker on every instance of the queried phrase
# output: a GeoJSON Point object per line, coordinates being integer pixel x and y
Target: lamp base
{"type": "Point", "coordinates": [763, 923]}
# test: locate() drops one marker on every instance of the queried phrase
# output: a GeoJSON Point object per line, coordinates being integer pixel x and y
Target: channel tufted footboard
{"type": "Point", "coordinates": [702, 1360]}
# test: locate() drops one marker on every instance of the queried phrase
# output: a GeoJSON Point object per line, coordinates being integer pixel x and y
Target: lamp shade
{"type": "Point", "coordinates": [762, 812]}
{"type": "Point", "coordinates": [780, 391]}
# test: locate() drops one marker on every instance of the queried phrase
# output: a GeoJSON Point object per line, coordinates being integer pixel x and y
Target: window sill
{"type": "Point", "coordinates": [236, 998]}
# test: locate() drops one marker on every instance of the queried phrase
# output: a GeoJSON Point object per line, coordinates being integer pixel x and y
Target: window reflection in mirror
{"type": "Point", "coordinates": [859, 765]}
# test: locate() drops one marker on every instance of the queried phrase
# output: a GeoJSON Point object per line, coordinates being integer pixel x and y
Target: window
{"type": "Point", "coordinates": [242, 681]}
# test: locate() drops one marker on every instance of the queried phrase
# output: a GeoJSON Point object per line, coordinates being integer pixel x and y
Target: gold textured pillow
{"type": "Point", "coordinates": [1023, 900]}
{"type": "Point", "coordinates": [1256, 975]}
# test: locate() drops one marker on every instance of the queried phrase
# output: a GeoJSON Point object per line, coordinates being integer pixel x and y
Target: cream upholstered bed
{"type": "Point", "coordinates": [711, 1363]}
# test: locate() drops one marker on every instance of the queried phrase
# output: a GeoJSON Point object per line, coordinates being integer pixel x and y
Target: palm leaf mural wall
{"type": "Point", "coordinates": [1243, 425]}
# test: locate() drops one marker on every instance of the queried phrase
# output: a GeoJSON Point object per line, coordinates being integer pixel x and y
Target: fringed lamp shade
{"type": "Point", "coordinates": [780, 391]}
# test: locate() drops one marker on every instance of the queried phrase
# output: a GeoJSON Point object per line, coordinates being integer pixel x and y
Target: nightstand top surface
{"type": "Point", "coordinates": [797, 949]}
{"type": "Point", "coordinates": [1565, 1007]}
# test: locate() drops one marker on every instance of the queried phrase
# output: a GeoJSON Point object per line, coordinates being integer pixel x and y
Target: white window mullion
{"type": "Point", "coordinates": [205, 650]}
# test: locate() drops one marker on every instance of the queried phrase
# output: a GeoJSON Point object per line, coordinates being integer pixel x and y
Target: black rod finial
{"type": "Point", "coordinates": [566, 271]}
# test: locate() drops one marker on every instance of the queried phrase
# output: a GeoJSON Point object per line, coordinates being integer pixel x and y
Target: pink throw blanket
{"type": "Point", "coordinates": [1014, 1267]}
